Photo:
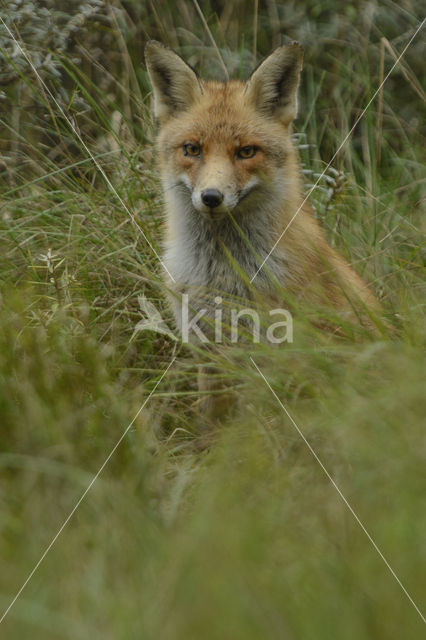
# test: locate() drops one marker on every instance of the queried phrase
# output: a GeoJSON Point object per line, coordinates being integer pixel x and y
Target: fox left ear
{"type": "Point", "coordinates": [176, 85]}
{"type": "Point", "coordinates": [272, 87]}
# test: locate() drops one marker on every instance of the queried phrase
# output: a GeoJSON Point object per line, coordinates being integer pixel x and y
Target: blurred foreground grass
{"type": "Point", "coordinates": [246, 539]}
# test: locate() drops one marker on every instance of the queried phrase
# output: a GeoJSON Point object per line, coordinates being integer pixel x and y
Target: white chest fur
{"type": "Point", "coordinates": [222, 255]}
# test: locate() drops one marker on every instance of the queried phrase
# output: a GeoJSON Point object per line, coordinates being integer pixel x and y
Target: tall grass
{"type": "Point", "coordinates": [246, 538]}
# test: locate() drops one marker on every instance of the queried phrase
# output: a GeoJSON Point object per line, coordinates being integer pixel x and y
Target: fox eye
{"type": "Point", "coordinates": [191, 149]}
{"type": "Point", "coordinates": [247, 152]}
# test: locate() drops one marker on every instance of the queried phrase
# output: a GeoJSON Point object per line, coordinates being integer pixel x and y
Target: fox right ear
{"type": "Point", "coordinates": [272, 87]}
{"type": "Point", "coordinates": [175, 84]}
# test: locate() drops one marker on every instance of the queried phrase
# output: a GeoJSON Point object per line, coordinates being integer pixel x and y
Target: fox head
{"type": "Point", "coordinates": [222, 144]}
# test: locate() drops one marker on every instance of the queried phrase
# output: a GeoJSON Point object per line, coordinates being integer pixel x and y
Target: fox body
{"type": "Point", "coordinates": [232, 186]}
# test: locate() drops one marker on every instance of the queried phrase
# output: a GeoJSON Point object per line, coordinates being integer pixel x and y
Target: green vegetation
{"type": "Point", "coordinates": [246, 538]}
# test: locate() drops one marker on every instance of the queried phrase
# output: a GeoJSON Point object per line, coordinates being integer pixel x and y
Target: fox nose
{"type": "Point", "coordinates": [212, 198]}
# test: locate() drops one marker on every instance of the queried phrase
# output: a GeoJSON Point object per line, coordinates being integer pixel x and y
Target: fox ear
{"type": "Point", "coordinates": [272, 87]}
{"type": "Point", "coordinates": [176, 85]}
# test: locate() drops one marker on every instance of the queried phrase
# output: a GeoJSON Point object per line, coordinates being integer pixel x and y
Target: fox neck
{"type": "Point", "coordinates": [225, 254]}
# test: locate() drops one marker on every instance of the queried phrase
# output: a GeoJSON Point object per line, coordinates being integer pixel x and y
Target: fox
{"type": "Point", "coordinates": [236, 220]}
